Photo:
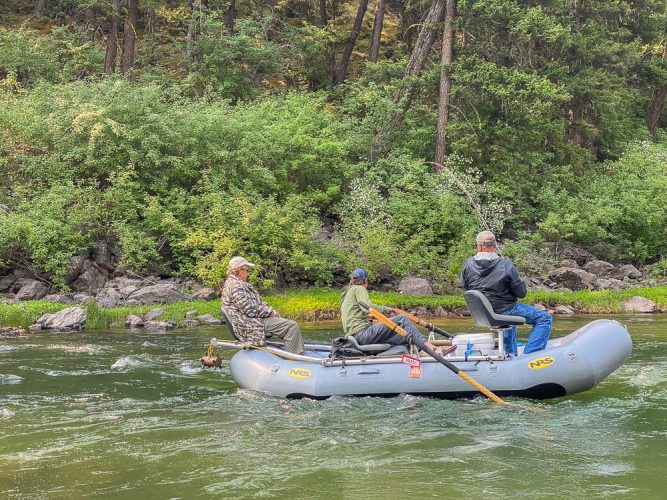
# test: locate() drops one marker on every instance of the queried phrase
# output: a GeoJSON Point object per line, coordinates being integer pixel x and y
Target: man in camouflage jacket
{"type": "Point", "coordinates": [252, 318]}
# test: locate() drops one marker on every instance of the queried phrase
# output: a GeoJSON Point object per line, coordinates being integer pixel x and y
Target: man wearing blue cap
{"type": "Point", "coordinates": [356, 321]}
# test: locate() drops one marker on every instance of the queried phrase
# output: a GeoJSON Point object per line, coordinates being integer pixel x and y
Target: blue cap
{"type": "Point", "coordinates": [359, 274]}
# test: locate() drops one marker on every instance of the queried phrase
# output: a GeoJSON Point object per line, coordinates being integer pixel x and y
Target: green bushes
{"type": "Point", "coordinates": [27, 57]}
{"type": "Point", "coordinates": [231, 141]}
{"type": "Point", "coordinates": [620, 210]}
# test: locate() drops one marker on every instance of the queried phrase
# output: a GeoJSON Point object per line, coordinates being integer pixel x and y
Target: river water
{"type": "Point", "coordinates": [132, 414]}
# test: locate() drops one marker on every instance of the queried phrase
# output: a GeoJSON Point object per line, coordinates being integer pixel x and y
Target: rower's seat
{"type": "Point", "coordinates": [230, 325]}
{"type": "Point", "coordinates": [483, 314]}
{"type": "Point", "coordinates": [376, 349]}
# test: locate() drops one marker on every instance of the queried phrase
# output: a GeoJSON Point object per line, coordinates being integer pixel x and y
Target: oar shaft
{"type": "Point", "coordinates": [419, 321]}
{"type": "Point", "coordinates": [420, 343]}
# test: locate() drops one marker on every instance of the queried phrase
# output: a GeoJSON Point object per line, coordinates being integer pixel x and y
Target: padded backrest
{"type": "Point", "coordinates": [482, 312]}
{"type": "Point", "coordinates": [228, 322]}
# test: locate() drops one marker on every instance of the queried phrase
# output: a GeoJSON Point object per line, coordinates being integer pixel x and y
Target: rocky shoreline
{"type": "Point", "coordinates": [94, 279]}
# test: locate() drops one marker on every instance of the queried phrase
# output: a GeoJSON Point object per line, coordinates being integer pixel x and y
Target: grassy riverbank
{"type": "Point", "coordinates": [323, 304]}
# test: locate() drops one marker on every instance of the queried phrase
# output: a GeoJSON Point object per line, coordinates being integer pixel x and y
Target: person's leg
{"type": "Point", "coordinates": [377, 333]}
{"type": "Point", "coordinates": [509, 339]}
{"type": "Point", "coordinates": [541, 323]}
{"type": "Point", "coordinates": [509, 335]}
{"type": "Point", "coordinates": [286, 329]}
{"type": "Point", "coordinates": [407, 325]}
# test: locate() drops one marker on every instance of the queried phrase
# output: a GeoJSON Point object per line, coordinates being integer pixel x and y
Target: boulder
{"type": "Point", "coordinates": [81, 298]}
{"type": "Point", "coordinates": [599, 268]}
{"type": "Point", "coordinates": [108, 297]}
{"type": "Point", "coordinates": [35, 328]}
{"type": "Point", "coordinates": [576, 253]}
{"type": "Point", "coordinates": [121, 282]}
{"type": "Point", "coordinates": [20, 283]}
{"type": "Point", "coordinates": [33, 290]}
{"type": "Point", "coordinates": [6, 282]}
{"type": "Point", "coordinates": [102, 255]}
{"type": "Point", "coordinates": [640, 305]}
{"type": "Point", "coordinates": [609, 284]}
{"type": "Point", "coordinates": [133, 321]}
{"type": "Point", "coordinates": [42, 319]}
{"type": "Point", "coordinates": [540, 306]}
{"type": "Point", "coordinates": [154, 314]}
{"type": "Point", "coordinates": [159, 325]}
{"type": "Point", "coordinates": [90, 280]}
{"type": "Point", "coordinates": [10, 332]}
{"type": "Point", "coordinates": [563, 310]}
{"type": "Point", "coordinates": [190, 314]}
{"type": "Point", "coordinates": [162, 293]}
{"type": "Point", "coordinates": [627, 271]}
{"type": "Point", "coordinates": [574, 279]}
{"type": "Point", "coordinates": [205, 294]}
{"type": "Point", "coordinates": [60, 298]}
{"type": "Point", "coordinates": [415, 286]}
{"type": "Point", "coordinates": [188, 323]}
{"type": "Point", "coordinates": [126, 291]}
{"type": "Point", "coordinates": [72, 318]}
{"type": "Point", "coordinates": [439, 312]}
{"type": "Point", "coordinates": [77, 265]}
{"type": "Point", "coordinates": [420, 311]}
{"type": "Point", "coordinates": [208, 319]}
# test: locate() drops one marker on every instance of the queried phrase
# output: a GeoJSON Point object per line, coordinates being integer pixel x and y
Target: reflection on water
{"type": "Point", "coordinates": [124, 414]}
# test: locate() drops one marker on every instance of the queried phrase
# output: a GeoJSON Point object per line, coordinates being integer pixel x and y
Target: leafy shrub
{"type": "Point", "coordinates": [282, 239]}
{"type": "Point", "coordinates": [620, 211]}
{"type": "Point", "coordinates": [49, 228]}
{"type": "Point", "coordinates": [27, 56]}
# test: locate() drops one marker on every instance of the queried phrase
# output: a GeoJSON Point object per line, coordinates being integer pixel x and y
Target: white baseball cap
{"type": "Point", "coordinates": [238, 262]}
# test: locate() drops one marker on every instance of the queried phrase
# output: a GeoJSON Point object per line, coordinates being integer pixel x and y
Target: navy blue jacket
{"type": "Point", "coordinates": [495, 277]}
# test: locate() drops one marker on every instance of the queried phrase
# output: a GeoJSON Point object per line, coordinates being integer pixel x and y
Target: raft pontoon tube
{"type": "Point", "coordinates": [568, 365]}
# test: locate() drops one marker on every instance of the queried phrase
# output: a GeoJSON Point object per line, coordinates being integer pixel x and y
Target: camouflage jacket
{"type": "Point", "coordinates": [245, 308]}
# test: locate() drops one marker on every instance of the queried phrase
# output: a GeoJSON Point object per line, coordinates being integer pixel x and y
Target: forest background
{"type": "Point", "coordinates": [315, 137]}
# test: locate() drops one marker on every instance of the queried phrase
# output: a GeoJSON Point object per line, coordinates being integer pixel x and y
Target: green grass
{"type": "Point", "coordinates": [320, 304]}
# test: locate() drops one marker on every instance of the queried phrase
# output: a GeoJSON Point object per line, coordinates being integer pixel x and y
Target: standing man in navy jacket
{"type": "Point", "coordinates": [499, 281]}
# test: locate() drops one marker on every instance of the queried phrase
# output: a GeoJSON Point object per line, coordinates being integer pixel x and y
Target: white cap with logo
{"type": "Point", "coordinates": [238, 262]}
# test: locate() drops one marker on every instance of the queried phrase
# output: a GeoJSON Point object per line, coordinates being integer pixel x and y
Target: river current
{"type": "Point", "coordinates": [133, 415]}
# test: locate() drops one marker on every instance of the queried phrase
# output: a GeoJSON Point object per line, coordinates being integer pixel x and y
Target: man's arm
{"type": "Point", "coordinates": [517, 285]}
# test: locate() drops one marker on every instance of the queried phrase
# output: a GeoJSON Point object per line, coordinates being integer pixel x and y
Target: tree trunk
{"type": "Point", "coordinates": [377, 31]}
{"type": "Point", "coordinates": [418, 58]}
{"type": "Point", "coordinates": [655, 109]}
{"type": "Point", "coordinates": [40, 8]}
{"type": "Point", "coordinates": [194, 28]}
{"type": "Point", "coordinates": [349, 43]}
{"type": "Point", "coordinates": [89, 23]}
{"type": "Point", "coordinates": [324, 18]}
{"type": "Point", "coordinates": [445, 83]}
{"type": "Point", "coordinates": [129, 36]}
{"type": "Point", "coordinates": [576, 23]}
{"type": "Point", "coordinates": [112, 39]}
{"type": "Point", "coordinates": [230, 17]}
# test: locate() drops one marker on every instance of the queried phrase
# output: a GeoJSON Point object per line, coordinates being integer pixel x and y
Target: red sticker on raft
{"type": "Point", "coordinates": [416, 371]}
{"type": "Point", "coordinates": [411, 360]}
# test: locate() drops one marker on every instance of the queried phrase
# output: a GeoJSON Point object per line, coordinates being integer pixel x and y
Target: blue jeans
{"type": "Point", "coordinates": [377, 333]}
{"type": "Point", "coordinates": [537, 339]}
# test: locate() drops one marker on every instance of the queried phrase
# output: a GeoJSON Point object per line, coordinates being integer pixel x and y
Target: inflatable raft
{"type": "Point", "coordinates": [570, 364]}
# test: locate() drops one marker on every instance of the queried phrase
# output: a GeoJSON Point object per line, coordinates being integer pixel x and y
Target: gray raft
{"type": "Point", "coordinates": [570, 364]}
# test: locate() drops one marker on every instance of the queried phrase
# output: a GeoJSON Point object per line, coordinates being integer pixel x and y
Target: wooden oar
{"type": "Point", "coordinates": [420, 343]}
{"type": "Point", "coordinates": [429, 326]}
